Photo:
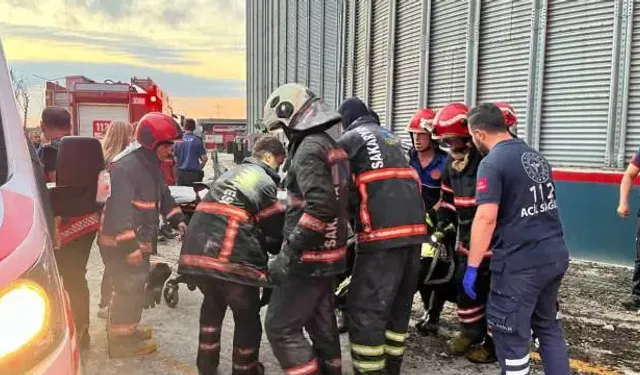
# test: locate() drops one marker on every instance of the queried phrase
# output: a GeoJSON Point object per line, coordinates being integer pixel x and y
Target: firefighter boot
{"type": "Point", "coordinates": [257, 369]}
{"type": "Point", "coordinates": [482, 353]}
{"type": "Point", "coordinates": [459, 345]}
{"type": "Point", "coordinates": [134, 345]}
{"type": "Point", "coordinates": [428, 324]}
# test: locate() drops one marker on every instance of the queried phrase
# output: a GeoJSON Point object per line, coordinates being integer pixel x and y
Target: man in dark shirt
{"type": "Point", "coordinates": [75, 234]}
{"type": "Point", "coordinates": [55, 124]}
{"type": "Point", "coordinates": [517, 217]}
{"type": "Point", "coordinates": [190, 155]}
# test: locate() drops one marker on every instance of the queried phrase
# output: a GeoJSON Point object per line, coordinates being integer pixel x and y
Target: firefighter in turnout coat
{"type": "Point", "coordinates": [223, 253]}
{"type": "Point", "coordinates": [457, 209]}
{"type": "Point", "coordinates": [128, 234]}
{"type": "Point", "coordinates": [390, 228]}
{"type": "Point", "coordinates": [315, 235]}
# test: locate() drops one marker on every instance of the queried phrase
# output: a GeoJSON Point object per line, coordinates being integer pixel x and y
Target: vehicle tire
{"type": "Point", "coordinates": [171, 296]}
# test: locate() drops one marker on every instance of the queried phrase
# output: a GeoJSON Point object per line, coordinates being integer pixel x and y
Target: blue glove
{"type": "Point", "coordinates": [469, 281]}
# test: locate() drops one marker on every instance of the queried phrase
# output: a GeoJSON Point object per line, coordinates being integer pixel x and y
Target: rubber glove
{"type": "Point", "coordinates": [469, 281]}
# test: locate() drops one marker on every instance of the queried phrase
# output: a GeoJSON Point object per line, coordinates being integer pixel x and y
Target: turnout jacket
{"type": "Point", "coordinates": [458, 205]}
{"type": "Point", "coordinates": [316, 220]}
{"type": "Point", "coordinates": [226, 234]}
{"type": "Point", "coordinates": [387, 203]}
{"type": "Point", "coordinates": [138, 197]}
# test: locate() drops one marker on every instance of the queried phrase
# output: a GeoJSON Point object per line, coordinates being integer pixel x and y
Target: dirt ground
{"type": "Point", "coordinates": [599, 333]}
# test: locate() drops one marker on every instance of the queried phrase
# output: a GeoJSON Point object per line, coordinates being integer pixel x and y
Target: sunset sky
{"type": "Point", "coordinates": [194, 49]}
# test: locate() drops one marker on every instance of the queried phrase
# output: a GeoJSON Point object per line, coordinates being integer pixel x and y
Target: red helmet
{"type": "Point", "coordinates": [155, 128]}
{"type": "Point", "coordinates": [451, 121]}
{"type": "Point", "coordinates": [422, 121]}
{"type": "Point", "coordinates": [508, 112]}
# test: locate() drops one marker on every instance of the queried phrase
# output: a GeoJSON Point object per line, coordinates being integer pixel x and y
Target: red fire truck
{"type": "Point", "coordinates": [94, 105]}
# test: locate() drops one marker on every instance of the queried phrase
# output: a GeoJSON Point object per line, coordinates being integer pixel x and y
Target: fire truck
{"type": "Point", "coordinates": [94, 105]}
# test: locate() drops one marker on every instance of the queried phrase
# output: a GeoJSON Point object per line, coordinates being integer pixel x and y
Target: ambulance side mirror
{"type": "Point", "coordinates": [78, 166]}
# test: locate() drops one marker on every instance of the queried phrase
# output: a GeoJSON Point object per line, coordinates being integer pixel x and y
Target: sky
{"type": "Point", "coordinates": [193, 49]}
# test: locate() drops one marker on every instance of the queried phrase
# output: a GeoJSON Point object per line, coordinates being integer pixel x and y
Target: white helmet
{"type": "Point", "coordinates": [295, 107]}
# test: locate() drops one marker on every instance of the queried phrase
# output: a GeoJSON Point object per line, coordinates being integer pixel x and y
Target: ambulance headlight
{"type": "Point", "coordinates": [23, 315]}
{"type": "Point", "coordinates": [33, 316]}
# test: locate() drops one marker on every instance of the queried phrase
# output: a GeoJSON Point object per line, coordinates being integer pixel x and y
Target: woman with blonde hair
{"type": "Point", "coordinates": [118, 136]}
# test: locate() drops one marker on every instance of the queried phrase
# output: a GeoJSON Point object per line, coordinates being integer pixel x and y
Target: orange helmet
{"type": "Point", "coordinates": [451, 121]}
{"type": "Point", "coordinates": [508, 112]}
{"type": "Point", "coordinates": [156, 128]}
{"type": "Point", "coordinates": [422, 121]}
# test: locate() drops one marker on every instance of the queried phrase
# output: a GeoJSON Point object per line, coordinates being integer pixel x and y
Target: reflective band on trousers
{"type": "Point", "coordinates": [518, 372]}
{"type": "Point", "coordinates": [365, 366]}
{"type": "Point", "coordinates": [395, 336]}
{"type": "Point", "coordinates": [370, 351]}
{"type": "Point", "coordinates": [394, 350]}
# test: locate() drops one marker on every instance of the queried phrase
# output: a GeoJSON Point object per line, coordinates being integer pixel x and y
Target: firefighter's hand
{"type": "Point", "coordinates": [135, 258]}
{"type": "Point", "coordinates": [623, 210]}
{"type": "Point", "coordinates": [182, 228]}
{"type": "Point", "coordinates": [280, 266]}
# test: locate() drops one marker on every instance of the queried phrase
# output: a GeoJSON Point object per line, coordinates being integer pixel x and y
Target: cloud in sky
{"type": "Point", "coordinates": [193, 48]}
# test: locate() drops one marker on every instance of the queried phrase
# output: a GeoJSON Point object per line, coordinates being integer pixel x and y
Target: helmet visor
{"type": "Point", "coordinates": [317, 113]}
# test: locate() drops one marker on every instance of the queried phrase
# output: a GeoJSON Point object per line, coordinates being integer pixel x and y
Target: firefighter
{"type": "Point", "coordinates": [129, 230]}
{"type": "Point", "coordinates": [75, 235]}
{"type": "Point", "coordinates": [429, 161]}
{"type": "Point", "coordinates": [222, 251]}
{"type": "Point", "coordinates": [390, 228]}
{"type": "Point", "coordinates": [457, 209]}
{"type": "Point", "coordinates": [315, 234]}
{"type": "Point", "coordinates": [517, 215]}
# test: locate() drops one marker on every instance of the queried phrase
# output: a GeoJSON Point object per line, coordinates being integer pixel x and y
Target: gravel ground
{"type": "Point", "coordinates": [597, 330]}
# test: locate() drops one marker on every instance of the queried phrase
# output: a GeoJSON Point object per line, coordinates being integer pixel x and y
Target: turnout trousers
{"type": "Point", "coordinates": [304, 302]}
{"type": "Point", "coordinates": [379, 306]}
{"type": "Point", "coordinates": [129, 281]}
{"type": "Point", "coordinates": [244, 301]}
{"type": "Point", "coordinates": [519, 302]}
{"type": "Point", "coordinates": [72, 261]}
{"type": "Point", "coordinates": [471, 313]}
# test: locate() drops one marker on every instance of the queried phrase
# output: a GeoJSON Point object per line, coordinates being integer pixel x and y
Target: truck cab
{"type": "Point", "coordinates": [38, 335]}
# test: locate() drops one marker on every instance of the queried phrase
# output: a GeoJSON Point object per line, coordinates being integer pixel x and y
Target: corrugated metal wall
{"type": "Point", "coordinates": [577, 80]}
{"type": "Point", "coordinates": [570, 68]}
{"type": "Point", "coordinates": [504, 52]}
{"type": "Point", "coordinates": [360, 49]}
{"type": "Point", "coordinates": [406, 65]}
{"type": "Point", "coordinates": [632, 142]}
{"type": "Point", "coordinates": [447, 58]}
{"type": "Point", "coordinates": [379, 64]}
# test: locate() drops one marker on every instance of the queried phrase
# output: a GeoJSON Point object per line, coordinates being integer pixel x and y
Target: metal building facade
{"type": "Point", "coordinates": [570, 68]}
{"type": "Point", "coordinates": [293, 41]}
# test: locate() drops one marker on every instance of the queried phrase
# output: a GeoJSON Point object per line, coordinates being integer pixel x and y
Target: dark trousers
{"type": "Point", "coordinates": [72, 260]}
{"type": "Point", "coordinates": [187, 178]}
{"type": "Point", "coordinates": [304, 302]}
{"type": "Point", "coordinates": [106, 286]}
{"type": "Point", "coordinates": [471, 313]}
{"type": "Point", "coordinates": [635, 291]}
{"type": "Point", "coordinates": [434, 296]}
{"type": "Point", "coordinates": [127, 303]}
{"type": "Point", "coordinates": [525, 300]}
{"type": "Point", "coordinates": [244, 302]}
{"type": "Point", "coordinates": [379, 307]}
